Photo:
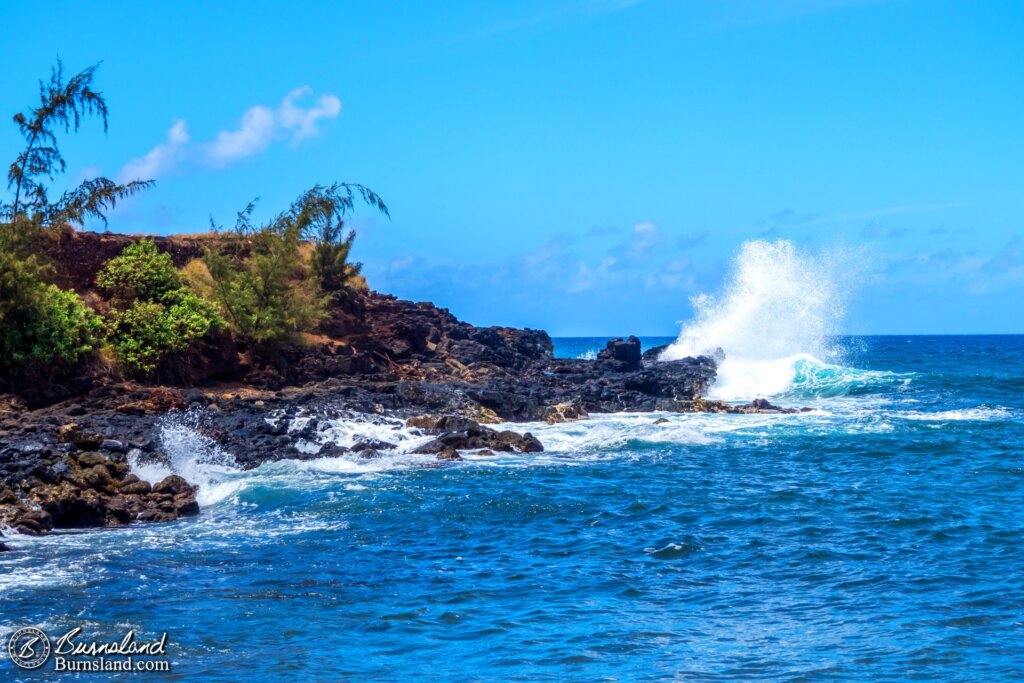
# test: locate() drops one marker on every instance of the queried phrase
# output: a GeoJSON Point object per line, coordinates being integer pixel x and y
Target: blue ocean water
{"type": "Point", "coordinates": [878, 537]}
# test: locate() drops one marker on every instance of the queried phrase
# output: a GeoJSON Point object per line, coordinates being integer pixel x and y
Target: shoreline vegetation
{"type": "Point", "coordinates": [103, 334]}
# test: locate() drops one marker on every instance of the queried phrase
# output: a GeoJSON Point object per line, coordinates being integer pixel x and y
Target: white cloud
{"type": "Point", "coordinates": [252, 136]}
{"type": "Point", "coordinates": [258, 128]}
{"type": "Point", "coordinates": [261, 125]}
{"type": "Point", "coordinates": [303, 121]}
{"type": "Point", "coordinates": [159, 159]}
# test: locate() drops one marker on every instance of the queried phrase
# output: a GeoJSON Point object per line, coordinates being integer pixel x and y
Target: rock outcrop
{"type": "Point", "coordinates": [85, 489]}
{"type": "Point", "coordinates": [64, 446]}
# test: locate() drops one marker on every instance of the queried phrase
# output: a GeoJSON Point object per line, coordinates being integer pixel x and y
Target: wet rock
{"type": "Point", "coordinates": [186, 505]}
{"type": "Point", "coordinates": [174, 485]}
{"type": "Point", "coordinates": [484, 437]}
{"type": "Point", "coordinates": [761, 405]}
{"type": "Point", "coordinates": [651, 355]}
{"type": "Point", "coordinates": [157, 515]}
{"type": "Point", "coordinates": [309, 430]}
{"type": "Point", "coordinates": [523, 443]}
{"type": "Point", "coordinates": [137, 488]}
{"type": "Point", "coordinates": [331, 450]}
{"type": "Point", "coordinates": [373, 445]}
{"type": "Point", "coordinates": [449, 454]}
{"type": "Point", "coordinates": [26, 519]}
{"type": "Point", "coordinates": [69, 506]}
{"type": "Point", "coordinates": [565, 412]}
{"type": "Point", "coordinates": [433, 424]}
{"type": "Point", "coordinates": [661, 421]}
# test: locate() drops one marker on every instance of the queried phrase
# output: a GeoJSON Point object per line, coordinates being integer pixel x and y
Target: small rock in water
{"type": "Point", "coordinates": [331, 450]}
{"type": "Point", "coordinates": [449, 454]}
{"type": "Point", "coordinates": [373, 445]}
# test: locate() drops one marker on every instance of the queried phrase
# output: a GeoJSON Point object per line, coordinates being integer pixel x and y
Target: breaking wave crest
{"type": "Point", "coordinates": [190, 454]}
{"type": "Point", "coordinates": [773, 326]}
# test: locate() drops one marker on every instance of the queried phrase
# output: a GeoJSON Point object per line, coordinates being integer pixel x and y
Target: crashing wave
{"type": "Point", "coordinates": [774, 321]}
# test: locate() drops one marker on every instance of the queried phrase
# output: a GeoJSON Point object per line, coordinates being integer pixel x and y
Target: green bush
{"type": "Point", "coordinates": [330, 262]}
{"type": "Point", "coordinates": [155, 315]}
{"type": "Point", "coordinates": [50, 325]}
{"type": "Point", "coordinates": [262, 285]}
{"type": "Point", "coordinates": [148, 331]}
{"type": "Point", "coordinates": [140, 272]}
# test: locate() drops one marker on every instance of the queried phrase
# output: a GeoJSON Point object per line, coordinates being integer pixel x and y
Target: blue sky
{"type": "Point", "coordinates": [582, 166]}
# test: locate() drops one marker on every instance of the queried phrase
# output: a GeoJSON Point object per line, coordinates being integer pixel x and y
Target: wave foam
{"type": "Point", "coordinates": [777, 313]}
{"type": "Point", "coordinates": [979, 414]}
{"type": "Point", "coordinates": [193, 456]}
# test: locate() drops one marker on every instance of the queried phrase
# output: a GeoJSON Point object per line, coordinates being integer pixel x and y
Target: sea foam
{"type": "Point", "coordinates": [777, 314]}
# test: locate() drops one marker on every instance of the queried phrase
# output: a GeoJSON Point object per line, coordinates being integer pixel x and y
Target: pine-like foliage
{"type": "Point", "coordinates": [267, 290]}
{"type": "Point", "coordinates": [320, 214]}
{"type": "Point", "coordinates": [62, 106]}
{"type": "Point", "coordinates": [41, 326]}
{"type": "Point", "coordinates": [259, 279]}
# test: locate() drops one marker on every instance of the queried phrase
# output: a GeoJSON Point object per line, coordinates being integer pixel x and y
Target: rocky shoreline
{"type": "Point", "coordinates": [65, 448]}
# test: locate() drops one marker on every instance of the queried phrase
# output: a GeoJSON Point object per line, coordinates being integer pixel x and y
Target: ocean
{"type": "Point", "coordinates": [879, 536]}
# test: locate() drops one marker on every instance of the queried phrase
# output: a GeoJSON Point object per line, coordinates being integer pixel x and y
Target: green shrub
{"type": "Point", "coordinates": [148, 331]}
{"type": "Point", "coordinates": [44, 329]}
{"type": "Point", "coordinates": [262, 285]}
{"type": "Point", "coordinates": [154, 315]}
{"type": "Point", "coordinates": [50, 325]}
{"type": "Point", "coordinates": [268, 290]}
{"type": "Point", "coordinates": [140, 272]}
{"type": "Point", "coordinates": [330, 262]}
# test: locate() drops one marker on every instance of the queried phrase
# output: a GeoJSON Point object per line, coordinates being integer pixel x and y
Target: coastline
{"type": "Point", "coordinates": [65, 447]}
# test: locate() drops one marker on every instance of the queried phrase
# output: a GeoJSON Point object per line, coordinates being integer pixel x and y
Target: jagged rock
{"type": "Point", "coordinates": [373, 445]}
{"type": "Point", "coordinates": [621, 355]}
{"type": "Point", "coordinates": [441, 424]}
{"type": "Point", "coordinates": [565, 412]}
{"type": "Point", "coordinates": [86, 441]}
{"type": "Point", "coordinates": [483, 437]}
{"type": "Point", "coordinates": [174, 485]}
{"type": "Point", "coordinates": [449, 454]}
{"type": "Point", "coordinates": [137, 488]}
{"type": "Point", "coordinates": [160, 400]}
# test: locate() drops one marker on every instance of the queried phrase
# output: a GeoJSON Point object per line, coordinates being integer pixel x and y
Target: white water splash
{"type": "Point", "coordinates": [193, 456]}
{"type": "Point", "coordinates": [778, 312]}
